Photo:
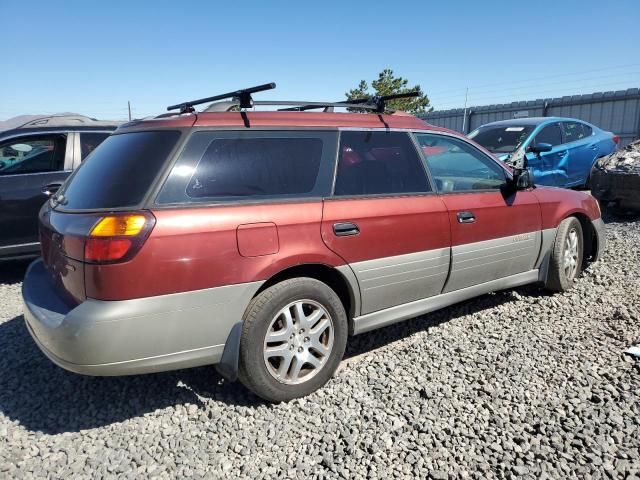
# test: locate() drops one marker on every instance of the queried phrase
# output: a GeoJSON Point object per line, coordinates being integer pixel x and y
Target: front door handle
{"type": "Point", "coordinates": [51, 188]}
{"type": "Point", "coordinates": [466, 217]}
{"type": "Point", "coordinates": [345, 229]}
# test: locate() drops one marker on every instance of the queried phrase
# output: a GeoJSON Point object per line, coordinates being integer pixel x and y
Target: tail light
{"type": "Point", "coordinates": [118, 237]}
{"type": "Point", "coordinates": [616, 139]}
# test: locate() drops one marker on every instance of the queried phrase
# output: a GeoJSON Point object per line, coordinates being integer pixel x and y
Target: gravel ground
{"type": "Point", "coordinates": [515, 383]}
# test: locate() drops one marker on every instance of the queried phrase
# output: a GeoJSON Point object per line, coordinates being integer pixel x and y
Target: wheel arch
{"type": "Point", "coordinates": [341, 280]}
{"type": "Point", "coordinates": [589, 237]}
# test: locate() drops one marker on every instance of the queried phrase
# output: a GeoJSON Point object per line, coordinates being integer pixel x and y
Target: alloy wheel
{"type": "Point", "coordinates": [298, 342]}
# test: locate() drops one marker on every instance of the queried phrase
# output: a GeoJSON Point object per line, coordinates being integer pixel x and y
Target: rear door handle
{"type": "Point", "coordinates": [466, 217]}
{"type": "Point", "coordinates": [345, 229]}
{"type": "Point", "coordinates": [51, 188]}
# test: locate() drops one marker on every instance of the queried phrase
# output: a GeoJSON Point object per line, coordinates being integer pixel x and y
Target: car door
{"type": "Point", "coordinates": [34, 167]}
{"type": "Point", "coordinates": [385, 221]}
{"type": "Point", "coordinates": [549, 168]}
{"type": "Point", "coordinates": [583, 151]}
{"type": "Point", "coordinates": [495, 232]}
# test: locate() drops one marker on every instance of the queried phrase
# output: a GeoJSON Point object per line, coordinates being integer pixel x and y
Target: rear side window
{"type": "Point", "coordinates": [120, 170]}
{"type": "Point", "coordinates": [257, 166]}
{"type": "Point", "coordinates": [374, 163]}
{"type": "Point", "coordinates": [89, 141]}
{"type": "Point", "coordinates": [573, 131]}
{"type": "Point", "coordinates": [550, 134]}
{"type": "Point", "coordinates": [231, 166]}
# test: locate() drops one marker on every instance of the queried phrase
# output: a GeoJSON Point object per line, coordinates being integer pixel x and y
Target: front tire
{"type": "Point", "coordinates": [566, 258]}
{"type": "Point", "coordinates": [294, 335]}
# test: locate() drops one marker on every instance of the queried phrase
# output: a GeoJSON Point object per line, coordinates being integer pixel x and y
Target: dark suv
{"type": "Point", "coordinates": [259, 241]}
{"type": "Point", "coordinates": [35, 158]}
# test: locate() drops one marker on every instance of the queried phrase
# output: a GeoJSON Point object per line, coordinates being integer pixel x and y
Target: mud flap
{"type": "Point", "coordinates": [230, 361]}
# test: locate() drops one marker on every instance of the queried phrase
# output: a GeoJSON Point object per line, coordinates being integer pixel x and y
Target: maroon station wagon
{"type": "Point", "coordinates": [260, 241]}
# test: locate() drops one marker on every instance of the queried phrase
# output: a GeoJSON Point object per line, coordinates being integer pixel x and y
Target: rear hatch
{"type": "Point", "coordinates": [98, 216]}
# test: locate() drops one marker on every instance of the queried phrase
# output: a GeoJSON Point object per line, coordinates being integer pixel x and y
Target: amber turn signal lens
{"type": "Point", "coordinates": [119, 226]}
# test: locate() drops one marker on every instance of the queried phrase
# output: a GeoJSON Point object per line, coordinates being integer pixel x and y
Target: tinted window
{"type": "Point", "coordinates": [588, 131]}
{"type": "Point", "coordinates": [501, 139]}
{"type": "Point", "coordinates": [120, 171]}
{"type": "Point", "coordinates": [257, 167]}
{"type": "Point", "coordinates": [379, 163]}
{"type": "Point", "coordinates": [89, 141]}
{"type": "Point", "coordinates": [457, 166]}
{"type": "Point", "coordinates": [218, 166]}
{"type": "Point", "coordinates": [572, 131]}
{"type": "Point", "coordinates": [550, 134]}
{"type": "Point", "coordinates": [44, 153]}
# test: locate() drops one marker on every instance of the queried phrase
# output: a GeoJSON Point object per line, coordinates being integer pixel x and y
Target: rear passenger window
{"type": "Point", "coordinates": [457, 166]}
{"type": "Point", "coordinates": [550, 134]}
{"type": "Point", "coordinates": [588, 131]}
{"type": "Point", "coordinates": [231, 166]}
{"type": "Point", "coordinates": [373, 163]}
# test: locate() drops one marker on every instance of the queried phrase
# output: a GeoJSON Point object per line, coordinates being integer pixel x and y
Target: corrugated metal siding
{"type": "Point", "coordinates": [617, 112]}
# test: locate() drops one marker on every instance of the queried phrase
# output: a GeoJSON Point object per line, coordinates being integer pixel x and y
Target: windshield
{"type": "Point", "coordinates": [119, 172]}
{"type": "Point", "coordinates": [501, 138]}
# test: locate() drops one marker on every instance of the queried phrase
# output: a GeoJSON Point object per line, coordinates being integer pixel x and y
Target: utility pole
{"type": "Point", "coordinates": [129, 106]}
{"type": "Point", "coordinates": [464, 116]}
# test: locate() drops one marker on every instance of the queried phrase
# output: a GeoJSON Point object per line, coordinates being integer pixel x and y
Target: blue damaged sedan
{"type": "Point", "coordinates": [560, 151]}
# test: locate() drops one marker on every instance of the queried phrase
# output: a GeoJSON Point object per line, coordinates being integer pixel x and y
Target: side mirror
{"type": "Point", "coordinates": [540, 148]}
{"type": "Point", "coordinates": [522, 179]}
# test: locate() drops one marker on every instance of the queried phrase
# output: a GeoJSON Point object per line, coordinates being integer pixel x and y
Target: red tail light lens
{"type": "Point", "coordinates": [106, 249]}
{"type": "Point", "coordinates": [117, 238]}
{"type": "Point", "coordinates": [616, 139]}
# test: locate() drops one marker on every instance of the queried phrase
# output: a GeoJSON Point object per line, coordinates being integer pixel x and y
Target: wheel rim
{"type": "Point", "coordinates": [298, 342]}
{"type": "Point", "coordinates": [571, 254]}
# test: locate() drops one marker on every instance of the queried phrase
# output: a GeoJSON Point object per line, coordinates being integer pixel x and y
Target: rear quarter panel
{"type": "Point", "coordinates": [197, 248]}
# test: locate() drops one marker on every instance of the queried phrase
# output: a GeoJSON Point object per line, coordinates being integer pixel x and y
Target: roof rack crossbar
{"type": "Point", "coordinates": [243, 96]}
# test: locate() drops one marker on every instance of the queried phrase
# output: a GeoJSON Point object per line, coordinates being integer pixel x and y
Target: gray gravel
{"type": "Point", "coordinates": [514, 384]}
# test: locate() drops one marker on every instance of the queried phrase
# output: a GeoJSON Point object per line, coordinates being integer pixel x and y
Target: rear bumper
{"type": "Point", "coordinates": [132, 336]}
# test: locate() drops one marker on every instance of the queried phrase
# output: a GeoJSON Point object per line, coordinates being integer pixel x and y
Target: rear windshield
{"type": "Point", "coordinates": [120, 171]}
{"type": "Point", "coordinates": [501, 139]}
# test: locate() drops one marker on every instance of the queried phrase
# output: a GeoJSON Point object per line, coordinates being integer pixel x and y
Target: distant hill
{"type": "Point", "coordinates": [20, 119]}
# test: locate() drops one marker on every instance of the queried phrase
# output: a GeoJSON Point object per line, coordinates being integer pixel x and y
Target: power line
{"type": "Point", "coordinates": [510, 97]}
{"type": "Point", "coordinates": [536, 79]}
{"type": "Point", "coordinates": [528, 87]}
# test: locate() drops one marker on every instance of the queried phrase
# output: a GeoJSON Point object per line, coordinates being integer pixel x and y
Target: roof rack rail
{"type": "Point", "coordinates": [377, 103]}
{"type": "Point", "coordinates": [295, 105]}
{"type": "Point", "coordinates": [243, 96]}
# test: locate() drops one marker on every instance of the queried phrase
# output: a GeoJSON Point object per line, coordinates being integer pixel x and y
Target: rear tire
{"type": "Point", "coordinates": [294, 335]}
{"type": "Point", "coordinates": [565, 264]}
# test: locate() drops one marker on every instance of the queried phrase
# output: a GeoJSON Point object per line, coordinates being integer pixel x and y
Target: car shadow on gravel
{"type": "Point", "coordinates": [365, 343]}
{"type": "Point", "coordinates": [43, 397]}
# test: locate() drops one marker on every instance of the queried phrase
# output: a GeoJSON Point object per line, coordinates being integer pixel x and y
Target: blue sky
{"type": "Point", "coordinates": [91, 57]}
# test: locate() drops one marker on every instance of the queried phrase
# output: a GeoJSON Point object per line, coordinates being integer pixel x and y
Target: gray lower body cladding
{"type": "Point", "coordinates": [132, 336]}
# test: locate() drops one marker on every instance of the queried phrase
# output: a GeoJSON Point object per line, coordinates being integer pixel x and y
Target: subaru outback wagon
{"type": "Point", "coordinates": [261, 241]}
